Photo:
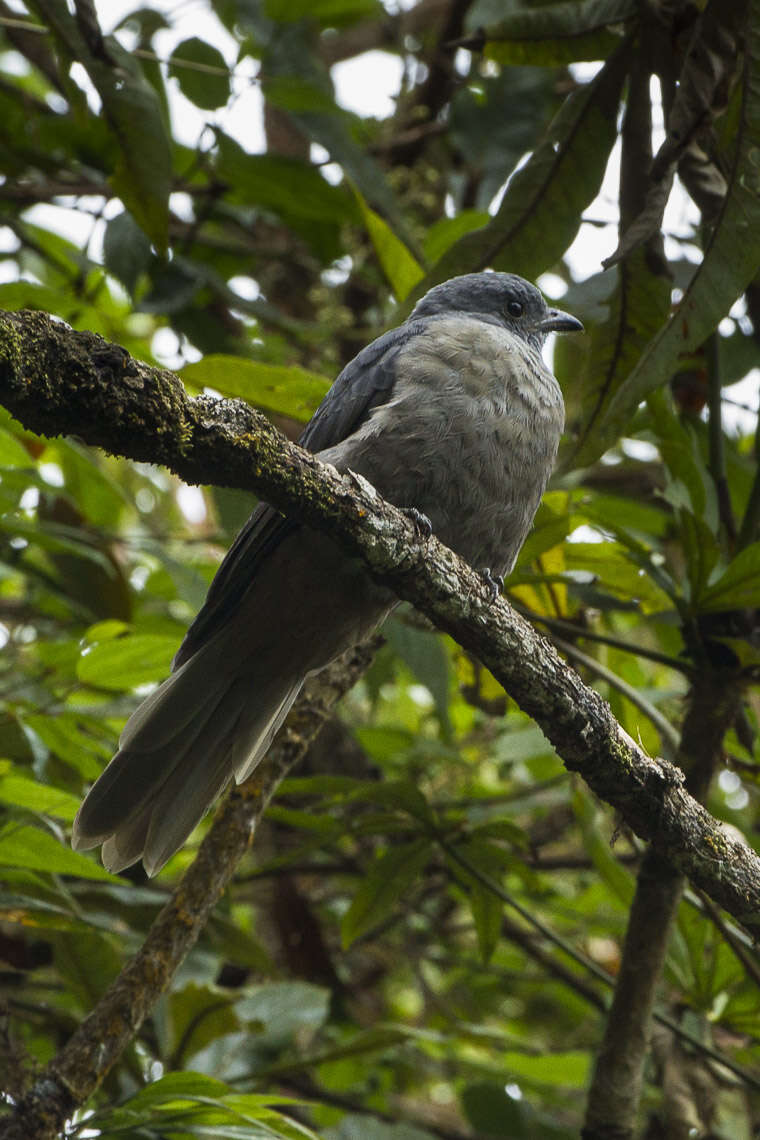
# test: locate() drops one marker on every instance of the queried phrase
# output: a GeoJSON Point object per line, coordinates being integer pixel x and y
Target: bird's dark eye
{"type": "Point", "coordinates": [514, 308]}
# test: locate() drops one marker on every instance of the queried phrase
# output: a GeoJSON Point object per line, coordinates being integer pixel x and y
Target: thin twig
{"type": "Point", "coordinates": [569, 627]}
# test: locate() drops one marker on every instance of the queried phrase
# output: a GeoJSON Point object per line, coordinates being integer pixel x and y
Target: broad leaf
{"type": "Point", "coordinates": [127, 662]}
{"type": "Point", "coordinates": [202, 73]}
{"type": "Point", "coordinates": [738, 587]}
{"type": "Point", "coordinates": [290, 391]}
{"type": "Point", "coordinates": [20, 791]}
{"type": "Point", "coordinates": [384, 884]}
{"type": "Point", "coordinates": [638, 306]}
{"type": "Point", "coordinates": [402, 270]}
{"type": "Point", "coordinates": [560, 33]}
{"type": "Point", "coordinates": [24, 846]}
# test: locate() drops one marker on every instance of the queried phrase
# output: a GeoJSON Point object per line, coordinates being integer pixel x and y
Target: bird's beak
{"type": "Point", "coordinates": [557, 321]}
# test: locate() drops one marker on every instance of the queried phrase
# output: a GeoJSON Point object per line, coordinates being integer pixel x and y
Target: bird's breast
{"type": "Point", "coordinates": [469, 437]}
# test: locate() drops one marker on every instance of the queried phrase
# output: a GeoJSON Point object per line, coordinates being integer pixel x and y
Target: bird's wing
{"type": "Point", "coordinates": [365, 383]}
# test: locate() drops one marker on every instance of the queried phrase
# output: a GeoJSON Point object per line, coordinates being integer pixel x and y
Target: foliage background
{"type": "Point", "coordinates": [405, 986]}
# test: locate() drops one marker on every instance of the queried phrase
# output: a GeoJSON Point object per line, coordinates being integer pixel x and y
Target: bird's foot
{"type": "Point", "coordinates": [494, 582]}
{"type": "Point", "coordinates": [419, 521]}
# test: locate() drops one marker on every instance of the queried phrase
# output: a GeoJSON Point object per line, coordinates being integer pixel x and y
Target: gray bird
{"type": "Point", "coordinates": [453, 414]}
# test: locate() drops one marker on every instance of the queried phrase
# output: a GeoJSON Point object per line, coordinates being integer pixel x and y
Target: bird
{"type": "Point", "coordinates": [454, 416]}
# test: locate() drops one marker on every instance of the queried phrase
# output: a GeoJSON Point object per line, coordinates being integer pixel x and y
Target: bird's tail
{"type": "Point", "coordinates": [182, 745]}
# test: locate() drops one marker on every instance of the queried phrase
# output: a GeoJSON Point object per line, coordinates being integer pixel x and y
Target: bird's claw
{"type": "Point", "coordinates": [494, 582]}
{"type": "Point", "coordinates": [419, 521]}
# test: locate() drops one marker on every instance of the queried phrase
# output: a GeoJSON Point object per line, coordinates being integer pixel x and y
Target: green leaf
{"type": "Point", "coordinates": [329, 13]}
{"type": "Point", "coordinates": [288, 390]}
{"type": "Point", "coordinates": [639, 304]}
{"type": "Point", "coordinates": [487, 907]}
{"type": "Point", "coordinates": [493, 1112]}
{"type": "Point", "coordinates": [202, 73]}
{"type": "Point", "coordinates": [701, 551]}
{"type": "Point", "coordinates": [305, 820]}
{"type": "Point", "coordinates": [384, 743]}
{"type": "Point", "coordinates": [737, 355]}
{"type": "Point", "coordinates": [31, 911]}
{"type": "Point", "coordinates": [597, 846]}
{"type": "Point", "coordinates": [88, 962]}
{"type": "Point", "coordinates": [57, 539]}
{"type": "Point", "coordinates": [192, 1104]}
{"type": "Point", "coordinates": [560, 1070]}
{"type": "Point", "coordinates": [199, 1015]}
{"type": "Point", "coordinates": [541, 210]}
{"type": "Point", "coordinates": [738, 587]}
{"type": "Point", "coordinates": [12, 451]}
{"type": "Point", "coordinates": [549, 530]}
{"type": "Point", "coordinates": [99, 496]}
{"type": "Point", "coordinates": [281, 1011]}
{"type": "Point", "coordinates": [683, 457]}
{"type": "Point", "coordinates": [551, 35]}
{"type": "Point", "coordinates": [444, 233]}
{"type": "Point", "coordinates": [294, 94]}
{"type": "Point", "coordinates": [28, 295]}
{"type": "Point", "coordinates": [401, 269]}
{"type": "Point", "coordinates": [403, 795]}
{"type": "Point", "coordinates": [22, 792]}
{"type": "Point", "coordinates": [624, 577]}
{"type": "Point", "coordinates": [176, 1085]}
{"type": "Point", "coordinates": [355, 1125]}
{"type": "Point", "coordinates": [191, 585]}
{"type": "Point", "coordinates": [505, 830]}
{"type": "Point", "coordinates": [326, 786]}
{"type": "Point", "coordinates": [626, 516]}
{"type": "Point", "coordinates": [126, 249]}
{"type": "Point", "coordinates": [490, 137]}
{"type": "Point", "coordinates": [384, 883]}
{"type": "Point", "coordinates": [142, 177]}
{"type": "Point", "coordinates": [425, 653]}
{"type": "Point", "coordinates": [286, 186]}
{"type": "Point", "coordinates": [105, 630]}
{"type": "Point", "coordinates": [64, 734]}
{"type": "Point", "coordinates": [24, 846]}
{"type": "Point", "coordinates": [127, 662]}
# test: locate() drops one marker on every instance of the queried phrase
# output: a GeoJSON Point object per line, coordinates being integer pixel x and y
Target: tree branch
{"type": "Point", "coordinates": [58, 381]}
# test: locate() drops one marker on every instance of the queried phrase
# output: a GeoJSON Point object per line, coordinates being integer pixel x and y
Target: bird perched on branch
{"type": "Point", "coordinates": [454, 414]}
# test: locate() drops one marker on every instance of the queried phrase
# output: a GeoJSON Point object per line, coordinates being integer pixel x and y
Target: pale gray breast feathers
{"type": "Point", "coordinates": [469, 436]}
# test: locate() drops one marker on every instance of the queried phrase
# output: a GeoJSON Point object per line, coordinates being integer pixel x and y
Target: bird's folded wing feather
{"type": "Point", "coordinates": [365, 383]}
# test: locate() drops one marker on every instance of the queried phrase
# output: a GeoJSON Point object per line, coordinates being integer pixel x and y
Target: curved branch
{"type": "Point", "coordinates": [56, 380]}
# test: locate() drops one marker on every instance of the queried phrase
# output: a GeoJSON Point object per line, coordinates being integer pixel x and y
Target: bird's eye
{"type": "Point", "coordinates": [515, 309]}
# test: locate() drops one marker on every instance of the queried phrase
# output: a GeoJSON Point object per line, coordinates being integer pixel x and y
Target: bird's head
{"type": "Point", "coordinates": [502, 298]}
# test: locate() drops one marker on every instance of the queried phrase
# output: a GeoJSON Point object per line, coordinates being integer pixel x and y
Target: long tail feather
{"type": "Point", "coordinates": [175, 757]}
